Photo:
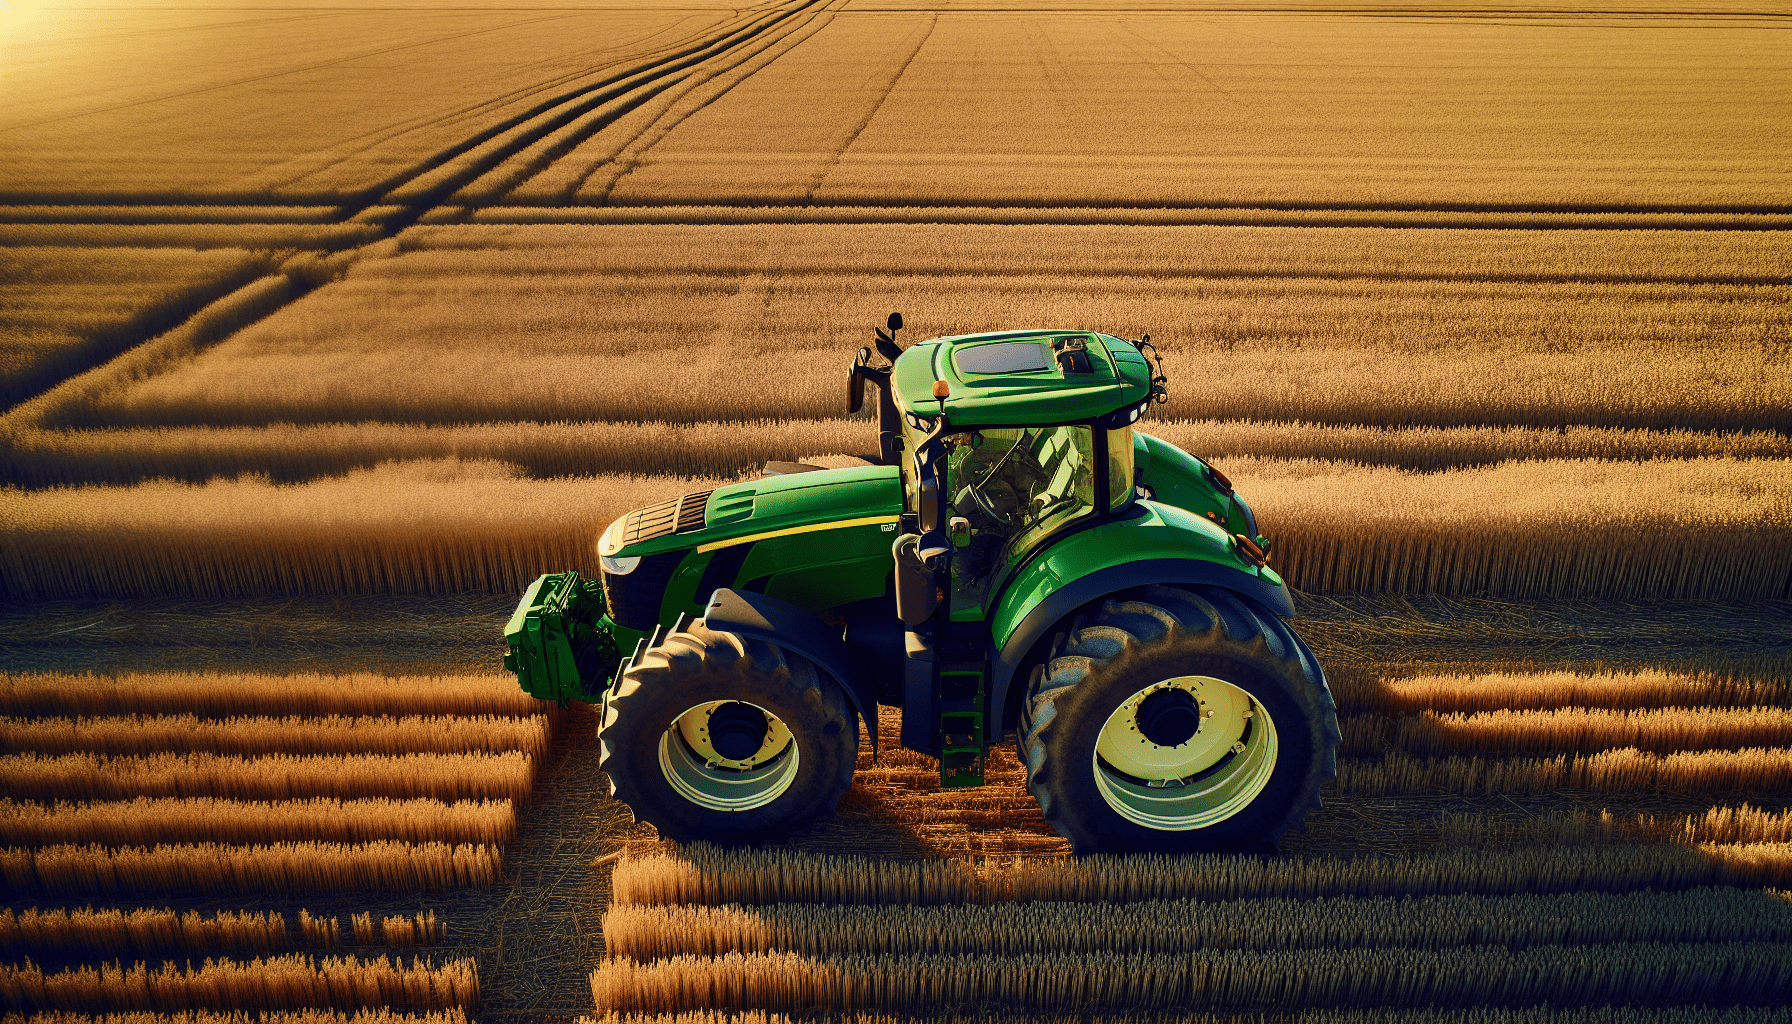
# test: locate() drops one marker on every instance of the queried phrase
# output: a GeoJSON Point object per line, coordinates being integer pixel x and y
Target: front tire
{"type": "Point", "coordinates": [717, 737]}
{"type": "Point", "coordinates": [1179, 721]}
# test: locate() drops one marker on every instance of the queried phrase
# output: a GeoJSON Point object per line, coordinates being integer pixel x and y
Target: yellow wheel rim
{"type": "Point", "coordinates": [1193, 781]}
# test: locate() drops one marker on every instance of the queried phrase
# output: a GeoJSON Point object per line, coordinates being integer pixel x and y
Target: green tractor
{"type": "Point", "coordinates": [1018, 562]}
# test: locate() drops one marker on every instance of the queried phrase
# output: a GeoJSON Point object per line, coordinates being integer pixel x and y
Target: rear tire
{"type": "Point", "coordinates": [1229, 758]}
{"type": "Point", "coordinates": [656, 738]}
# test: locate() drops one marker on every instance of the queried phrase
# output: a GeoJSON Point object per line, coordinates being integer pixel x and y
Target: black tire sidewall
{"type": "Point", "coordinates": [824, 769]}
{"type": "Point", "coordinates": [1082, 713]}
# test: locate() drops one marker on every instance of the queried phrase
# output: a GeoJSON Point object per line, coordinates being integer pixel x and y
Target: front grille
{"type": "Point", "coordinates": [634, 600]}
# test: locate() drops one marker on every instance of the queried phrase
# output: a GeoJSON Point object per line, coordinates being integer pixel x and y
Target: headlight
{"type": "Point", "coordinates": [619, 566]}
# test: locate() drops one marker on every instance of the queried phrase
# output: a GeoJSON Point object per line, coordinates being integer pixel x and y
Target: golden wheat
{"type": "Point", "coordinates": [1467, 975]}
{"type": "Point", "coordinates": [1183, 216]}
{"type": "Point", "coordinates": [705, 875]}
{"type": "Point", "coordinates": [277, 867]}
{"type": "Point", "coordinates": [1721, 824]}
{"type": "Point", "coordinates": [1570, 730]}
{"type": "Point", "coordinates": [271, 983]}
{"type": "Point", "coordinates": [1517, 691]}
{"type": "Point", "coordinates": [294, 734]}
{"type": "Point", "coordinates": [1153, 926]}
{"type": "Point", "coordinates": [237, 693]}
{"type": "Point", "coordinates": [1710, 528]}
{"type": "Point", "coordinates": [675, 347]}
{"type": "Point", "coordinates": [139, 932]}
{"type": "Point", "coordinates": [63, 310]}
{"type": "Point", "coordinates": [43, 458]}
{"type": "Point", "coordinates": [1379, 1015]}
{"type": "Point", "coordinates": [1302, 112]}
{"type": "Point", "coordinates": [397, 930]}
{"type": "Point", "coordinates": [144, 144]}
{"type": "Point", "coordinates": [321, 932]}
{"type": "Point", "coordinates": [207, 819]}
{"type": "Point", "coordinates": [381, 1015]}
{"type": "Point", "coordinates": [476, 776]}
{"type": "Point", "coordinates": [444, 527]}
{"type": "Point", "coordinates": [1613, 771]}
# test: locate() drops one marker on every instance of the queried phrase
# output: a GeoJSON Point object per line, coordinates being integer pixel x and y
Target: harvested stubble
{"type": "Point", "coordinates": [704, 875]}
{"type": "Point", "coordinates": [293, 734]}
{"type": "Point", "coordinates": [271, 983]}
{"type": "Point", "coordinates": [1571, 730]}
{"type": "Point", "coordinates": [1187, 926]}
{"type": "Point", "coordinates": [433, 527]}
{"type": "Point", "coordinates": [232, 693]}
{"type": "Point", "coordinates": [278, 867]}
{"type": "Point", "coordinates": [1380, 1015]}
{"type": "Point", "coordinates": [382, 1015]}
{"type": "Point", "coordinates": [1742, 972]}
{"type": "Point", "coordinates": [206, 819]}
{"type": "Point", "coordinates": [1625, 770]}
{"type": "Point", "coordinates": [142, 932]}
{"type": "Point", "coordinates": [1524, 691]}
{"type": "Point", "coordinates": [398, 930]}
{"type": "Point", "coordinates": [476, 776]}
{"type": "Point", "coordinates": [1744, 824]}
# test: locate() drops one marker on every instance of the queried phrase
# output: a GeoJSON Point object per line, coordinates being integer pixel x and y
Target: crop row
{"type": "Point", "coordinates": [278, 867]}
{"type": "Point", "coordinates": [226, 694]}
{"type": "Point", "coordinates": [1541, 1014]}
{"type": "Point", "coordinates": [292, 734]}
{"type": "Point", "coordinates": [509, 775]}
{"type": "Point", "coordinates": [146, 931]}
{"type": "Point", "coordinates": [208, 819]}
{"type": "Point", "coordinates": [704, 875]}
{"type": "Point", "coordinates": [313, 1015]}
{"type": "Point", "coordinates": [289, 452]}
{"type": "Point", "coordinates": [1742, 972]}
{"type": "Point", "coordinates": [271, 983]}
{"type": "Point", "coordinates": [1470, 693]}
{"type": "Point", "coordinates": [1613, 771]}
{"type": "Point", "coordinates": [1570, 730]}
{"type": "Point", "coordinates": [1187, 926]}
{"type": "Point", "coordinates": [1711, 528]}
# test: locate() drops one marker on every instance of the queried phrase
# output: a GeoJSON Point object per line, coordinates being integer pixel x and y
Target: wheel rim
{"type": "Point", "coordinates": [1220, 766]}
{"type": "Point", "coordinates": [702, 775]}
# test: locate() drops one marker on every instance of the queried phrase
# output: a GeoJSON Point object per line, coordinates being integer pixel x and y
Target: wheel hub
{"type": "Point", "coordinates": [737, 730]}
{"type": "Point", "coordinates": [1169, 717]}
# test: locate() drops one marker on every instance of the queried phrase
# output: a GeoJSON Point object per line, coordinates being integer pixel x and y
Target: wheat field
{"type": "Point", "coordinates": [348, 307]}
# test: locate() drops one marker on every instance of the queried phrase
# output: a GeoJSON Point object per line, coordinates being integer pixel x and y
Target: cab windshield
{"type": "Point", "coordinates": [1008, 489]}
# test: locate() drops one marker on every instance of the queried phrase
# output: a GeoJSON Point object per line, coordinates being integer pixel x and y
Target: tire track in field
{"type": "Point", "coordinates": [821, 175]}
{"type": "Point", "coordinates": [535, 124]}
{"type": "Point", "coordinates": [663, 125]}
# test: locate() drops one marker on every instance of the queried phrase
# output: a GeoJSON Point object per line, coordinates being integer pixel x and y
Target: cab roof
{"type": "Point", "coordinates": [1015, 378]}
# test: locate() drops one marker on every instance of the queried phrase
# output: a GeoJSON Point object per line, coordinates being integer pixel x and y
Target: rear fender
{"type": "Point", "coordinates": [799, 630]}
{"type": "Point", "coordinates": [1170, 546]}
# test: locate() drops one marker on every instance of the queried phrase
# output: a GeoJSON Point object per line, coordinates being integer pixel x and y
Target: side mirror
{"type": "Point", "coordinates": [895, 322]}
{"type": "Point", "coordinates": [855, 387]}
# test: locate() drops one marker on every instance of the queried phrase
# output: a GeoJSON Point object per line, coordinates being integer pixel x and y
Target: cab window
{"type": "Point", "coordinates": [1008, 490]}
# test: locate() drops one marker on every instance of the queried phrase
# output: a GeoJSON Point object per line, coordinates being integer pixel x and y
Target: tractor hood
{"type": "Point", "coordinates": [773, 506]}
